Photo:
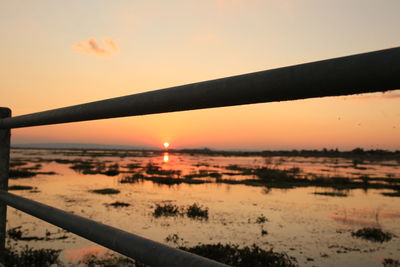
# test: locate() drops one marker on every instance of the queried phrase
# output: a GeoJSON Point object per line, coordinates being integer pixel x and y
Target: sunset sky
{"type": "Point", "coordinates": [60, 53]}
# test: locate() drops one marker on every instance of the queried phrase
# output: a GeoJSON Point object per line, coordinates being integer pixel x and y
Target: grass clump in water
{"type": "Point", "coordinates": [196, 211]}
{"type": "Point", "coordinates": [166, 210]}
{"type": "Point", "coordinates": [248, 256]}
{"type": "Point", "coordinates": [21, 173]}
{"type": "Point", "coordinates": [109, 260]}
{"type": "Point", "coordinates": [391, 194]}
{"type": "Point", "coordinates": [261, 219]}
{"type": "Point", "coordinates": [118, 204]}
{"type": "Point", "coordinates": [20, 187]}
{"type": "Point", "coordinates": [373, 234]}
{"type": "Point", "coordinates": [388, 262]}
{"type": "Point", "coordinates": [105, 191]}
{"type": "Point", "coordinates": [28, 256]}
{"type": "Point", "coordinates": [331, 194]}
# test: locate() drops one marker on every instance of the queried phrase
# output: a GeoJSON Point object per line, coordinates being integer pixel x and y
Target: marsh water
{"type": "Point", "coordinates": [311, 223]}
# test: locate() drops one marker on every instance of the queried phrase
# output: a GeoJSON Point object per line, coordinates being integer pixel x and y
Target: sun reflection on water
{"type": "Point", "coordinates": [166, 157]}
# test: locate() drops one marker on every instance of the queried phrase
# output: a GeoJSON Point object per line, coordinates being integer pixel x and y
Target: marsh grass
{"type": "Point", "coordinates": [17, 234]}
{"type": "Point", "coordinates": [108, 260]}
{"type": "Point", "coordinates": [21, 173]}
{"type": "Point", "coordinates": [388, 262]}
{"type": "Point", "coordinates": [105, 191]}
{"type": "Point", "coordinates": [261, 219]}
{"type": "Point", "coordinates": [161, 180]}
{"type": "Point", "coordinates": [30, 257]}
{"type": "Point", "coordinates": [20, 187]}
{"type": "Point", "coordinates": [331, 194]}
{"type": "Point", "coordinates": [94, 167]}
{"type": "Point", "coordinates": [196, 211]}
{"type": "Point", "coordinates": [373, 234]}
{"type": "Point", "coordinates": [232, 255]}
{"type": "Point", "coordinates": [152, 169]}
{"type": "Point", "coordinates": [118, 204]}
{"type": "Point", "coordinates": [166, 210]}
{"type": "Point", "coordinates": [391, 194]}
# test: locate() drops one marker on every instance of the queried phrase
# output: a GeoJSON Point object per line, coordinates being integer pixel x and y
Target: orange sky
{"type": "Point", "coordinates": [56, 55]}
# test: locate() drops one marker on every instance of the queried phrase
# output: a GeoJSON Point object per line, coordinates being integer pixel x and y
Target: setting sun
{"type": "Point", "coordinates": [166, 145]}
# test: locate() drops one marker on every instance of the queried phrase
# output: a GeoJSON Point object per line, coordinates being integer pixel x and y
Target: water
{"type": "Point", "coordinates": [315, 229]}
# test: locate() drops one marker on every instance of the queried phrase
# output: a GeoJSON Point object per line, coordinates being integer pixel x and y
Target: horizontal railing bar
{"type": "Point", "coordinates": [362, 73]}
{"type": "Point", "coordinates": [133, 246]}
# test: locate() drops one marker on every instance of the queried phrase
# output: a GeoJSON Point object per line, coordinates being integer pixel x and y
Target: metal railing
{"type": "Point", "coordinates": [369, 72]}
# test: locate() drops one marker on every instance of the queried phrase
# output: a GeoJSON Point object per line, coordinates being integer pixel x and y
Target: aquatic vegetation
{"type": "Point", "coordinates": [17, 233]}
{"type": "Point", "coordinates": [152, 168]}
{"type": "Point", "coordinates": [166, 210]}
{"type": "Point", "coordinates": [195, 211]}
{"type": "Point", "coordinates": [108, 260]}
{"type": "Point", "coordinates": [203, 173]}
{"type": "Point", "coordinates": [247, 256]}
{"type": "Point", "coordinates": [94, 167]}
{"type": "Point", "coordinates": [118, 204]}
{"type": "Point", "coordinates": [373, 234]}
{"type": "Point", "coordinates": [28, 256]}
{"type": "Point", "coordinates": [388, 262]}
{"type": "Point", "coordinates": [391, 194]}
{"type": "Point", "coordinates": [20, 187]}
{"type": "Point", "coordinates": [331, 194]}
{"type": "Point", "coordinates": [112, 170]}
{"type": "Point", "coordinates": [261, 219]}
{"type": "Point", "coordinates": [174, 239]}
{"type": "Point", "coordinates": [17, 163]}
{"type": "Point", "coordinates": [263, 232]}
{"type": "Point", "coordinates": [162, 180]}
{"type": "Point", "coordinates": [105, 191]}
{"type": "Point", "coordinates": [133, 166]}
{"type": "Point", "coordinates": [21, 173]}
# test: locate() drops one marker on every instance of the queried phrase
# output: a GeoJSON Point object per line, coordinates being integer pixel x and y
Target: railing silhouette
{"type": "Point", "coordinates": [362, 73]}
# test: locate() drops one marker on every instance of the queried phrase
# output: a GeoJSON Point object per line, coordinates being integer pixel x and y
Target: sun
{"type": "Point", "coordinates": [166, 145]}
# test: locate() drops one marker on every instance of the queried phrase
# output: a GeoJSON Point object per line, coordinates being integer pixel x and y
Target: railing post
{"type": "Point", "coordinates": [4, 171]}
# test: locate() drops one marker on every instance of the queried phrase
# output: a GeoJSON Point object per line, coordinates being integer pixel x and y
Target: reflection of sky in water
{"type": "Point", "coordinates": [302, 224]}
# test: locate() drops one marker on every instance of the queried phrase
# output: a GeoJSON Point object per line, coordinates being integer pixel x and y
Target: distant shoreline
{"type": "Point", "coordinates": [355, 153]}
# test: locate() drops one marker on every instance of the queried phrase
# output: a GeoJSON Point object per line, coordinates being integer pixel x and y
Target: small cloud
{"type": "Point", "coordinates": [91, 46]}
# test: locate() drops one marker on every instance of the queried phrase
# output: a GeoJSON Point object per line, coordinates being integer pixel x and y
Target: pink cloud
{"type": "Point", "coordinates": [91, 46]}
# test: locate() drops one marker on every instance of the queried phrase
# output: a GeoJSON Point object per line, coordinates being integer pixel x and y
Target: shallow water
{"type": "Point", "coordinates": [315, 229]}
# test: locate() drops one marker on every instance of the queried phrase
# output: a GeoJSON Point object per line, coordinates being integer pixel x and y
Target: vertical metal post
{"type": "Point", "coordinates": [4, 171]}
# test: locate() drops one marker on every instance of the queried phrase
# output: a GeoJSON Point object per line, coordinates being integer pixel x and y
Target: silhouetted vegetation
{"type": "Point", "coordinates": [152, 168]}
{"type": "Point", "coordinates": [21, 173]}
{"type": "Point", "coordinates": [373, 234]}
{"type": "Point", "coordinates": [17, 233]}
{"type": "Point", "coordinates": [247, 256]}
{"type": "Point", "coordinates": [166, 210]}
{"type": "Point", "coordinates": [203, 174]}
{"type": "Point", "coordinates": [196, 211]}
{"type": "Point", "coordinates": [331, 194]}
{"type": "Point", "coordinates": [20, 187]}
{"type": "Point", "coordinates": [261, 219]}
{"type": "Point", "coordinates": [117, 204]}
{"type": "Point", "coordinates": [162, 180]}
{"type": "Point", "coordinates": [94, 167]}
{"type": "Point", "coordinates": [30, 257]}
{"type": "Point", "coordinates": [391, 194]}
{"type": "Point", "coordinates": [388, 262]}
{"type": "Point", "coordinates": [109, 260]}
{"type": "Point", "coordinates": [105, 191]}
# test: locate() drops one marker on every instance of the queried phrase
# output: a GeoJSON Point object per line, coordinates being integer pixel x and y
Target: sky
{"type": "Point", "coordinates": [61, 53]}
